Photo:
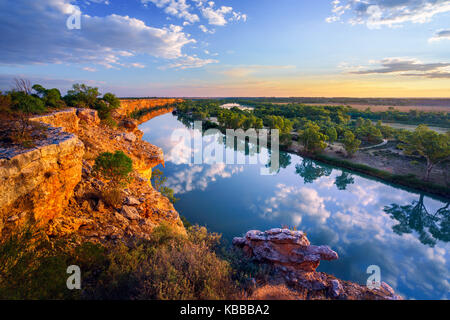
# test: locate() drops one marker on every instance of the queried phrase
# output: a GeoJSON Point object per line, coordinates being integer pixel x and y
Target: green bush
{"type": "Point", "coordinates": [27, 104]}
{"type": "Point", "coordinates": [115, 167]}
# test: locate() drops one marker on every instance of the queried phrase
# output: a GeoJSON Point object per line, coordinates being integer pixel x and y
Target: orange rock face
{"type": "Point", "coordinates": [39, 183]}
{"type": "Point", "coordinates": [66, 119]}
{"type": "Point", "coordinates": [127, 106]}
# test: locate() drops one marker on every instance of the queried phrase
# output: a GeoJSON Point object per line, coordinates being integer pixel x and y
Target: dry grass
{"type": "Point", "coordinates": [276, 292]}
{"type": "Point", "coordinates": [376, 108]}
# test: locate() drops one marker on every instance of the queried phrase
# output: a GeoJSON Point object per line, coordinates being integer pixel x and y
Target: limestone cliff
{"type": "Point", "coordinates": [37, 184]}
{"type": "Point", "coordinates": [54, 186]}
{"type": "Point", "coordinates": [127, 106]}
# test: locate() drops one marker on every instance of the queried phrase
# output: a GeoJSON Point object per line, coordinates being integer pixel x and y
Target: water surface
{"type": "Point", "coordinates": [366, 221]}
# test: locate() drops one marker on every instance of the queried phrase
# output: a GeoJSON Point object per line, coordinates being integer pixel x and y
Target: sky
{"type": "Point", "coordinates": [225, 48]}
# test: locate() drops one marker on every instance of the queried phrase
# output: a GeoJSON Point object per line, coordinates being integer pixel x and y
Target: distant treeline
{"type": "Point", "coordinates": [432, 102]}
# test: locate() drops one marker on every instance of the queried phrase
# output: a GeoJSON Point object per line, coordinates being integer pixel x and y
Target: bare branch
{"type": "Point", "coordinates": [23, 85]}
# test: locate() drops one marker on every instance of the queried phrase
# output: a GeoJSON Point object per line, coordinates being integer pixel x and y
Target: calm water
{"type": "Point", "coordinates": [367, 222]}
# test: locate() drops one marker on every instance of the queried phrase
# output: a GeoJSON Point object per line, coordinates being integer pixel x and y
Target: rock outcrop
{"type": "Point", "coordinates": [295, 261]}
{"type": "Point", "coordinates": [54, 186]}
{"type": "Point", "coordinates": [38, 183]}
{"type": "Point", "coordinates": [127, 106]}
{"type": "Point", "coordinates": [286, 248]}
{"type": "Point", "coordinates": [65, 119]}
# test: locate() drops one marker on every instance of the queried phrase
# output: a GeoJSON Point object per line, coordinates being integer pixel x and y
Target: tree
{"type": "Point", "coordinates": [114, 166]}
{"type": "Point", "coordinates": [158, 182]}
{"type": "Point", "coordinates": [23, 85]}
{"type": "Point", "coordinates": [113, 101]}
{"type": "Point", "coordinates": [367, 131]}
{"type": "Point", "coordinates": [351, 144]}
{"type": "Point", "coordinates": [434, 147]}
{"type": "Point", "coordinates": [312, 138]}
{"type": "Point", "coordinates": [50, 97]}
{"type": "Point", "coordinates": [344, 180]}
{"type": "Point", "coordinates": [82, 96]}
{"type": "Point", "coordinates": [332, 134]}
{"type": "Point", "coordinates": [310, 171]}
{"type": "Point", "coordinates": [430, 227]}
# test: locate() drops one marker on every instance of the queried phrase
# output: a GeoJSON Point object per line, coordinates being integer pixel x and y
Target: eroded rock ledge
{"type": "Point", "coordinates": [296, 260]}
{"type": "Point", "coordinates": [53, 185]}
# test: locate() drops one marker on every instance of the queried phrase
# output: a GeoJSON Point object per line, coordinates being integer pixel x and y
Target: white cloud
{"type": "Point", "coordinates": [377, 13]}
{"type": "Point", "coordinates": [440, 35]}
{"type": "Point", "coordinates": [177, 8]}
{"type": "Point", "coordinates": [189, 62]}
{"type": "Point", "coordinates": [206, 30]}
{"type": "Point", "coordinates": [39, 35]}
{"type": "Point", "coordinates": [219, 16]}
{"type": "Point", "coordinates": [90, 69]}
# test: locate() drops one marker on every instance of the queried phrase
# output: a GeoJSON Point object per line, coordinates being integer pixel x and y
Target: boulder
{"type": "Point", "coordinates": [88, 115]}
{"type": "Point", "coordinates": [132, 201]}
{"type": "Point", "coordinates": [130, 213]}
{"type": "Point", "coordinates": [285, 248]}
{"type": "Point", "coordinates": [295, 261]}
{"type": "Point", "coordinates": [130, 124]}
{"type": "Point", "coordinates": [130, 137]}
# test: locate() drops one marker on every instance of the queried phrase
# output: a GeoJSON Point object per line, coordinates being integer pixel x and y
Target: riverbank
{"type": "Point", "coordinates": [382, 162]}
{"type": "Point", "coordinates": [402, 172]}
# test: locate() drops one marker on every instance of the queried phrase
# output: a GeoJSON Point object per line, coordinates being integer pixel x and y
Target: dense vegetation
{"type": "Point", "coordinates": [25, 100]}
{"type": "Point", "coordinates": [168, 266]}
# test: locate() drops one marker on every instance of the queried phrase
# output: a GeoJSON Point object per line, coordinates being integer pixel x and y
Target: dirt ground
{"type": "Point", "coordinates": [390, 159]}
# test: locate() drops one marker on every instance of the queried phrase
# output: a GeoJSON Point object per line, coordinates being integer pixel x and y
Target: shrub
{"type": "Point", "coordinates": [33, 268]}
{"type": "Point", "coordinates": [115, 167]}
{"type": "Point", "coordinates": [112, 197]}
{"type": "Point", "coordinates": [158, 181]}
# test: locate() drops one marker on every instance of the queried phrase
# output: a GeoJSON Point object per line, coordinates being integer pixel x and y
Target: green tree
{"type": "Point", "coordinates": [311, 171]}
{"type": "Point", "coordinates": [115, 167]}
{"type": "Point", "coordinates": [351, 144]}
{"type": "Point", "coordinates": [50, 97]}
{"type": "Point", "coordinates": [434, 147]}
{"type": "Point", "coordinates": [332, 134]}
{"type": "Point", "coordinates": [82, 96]}
{"type": "Point", "coordinates": [158, 182]}
{"type": "Point", "coordinates": [312, 138]}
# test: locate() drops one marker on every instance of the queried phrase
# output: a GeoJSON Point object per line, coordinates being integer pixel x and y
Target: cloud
{"type": "Point", "coordinates": [219, 16]}
{"type": "Point", "coordinates": [189, 62]}
{"type": "Point", "coordinates": [294, 204]}
{"type": "Point", "coordinates": [377, 13]}
{"type": "Point", "coordinates": [90, 69]}
{"type": "Point", "coordinates": [408, 67]}
{"type": "Point", "coordinates": [206, 30]}
{"type": "Point", "coordinates": [177, 8]}
{"type": "Point", "coordinates": [198, 177]}
{"type": "Point", "coordinates": [440, 35]}
{"type": "Point", "coordinates": [244, 71]}
{"type": "Point", "coordinates": [39, 35]}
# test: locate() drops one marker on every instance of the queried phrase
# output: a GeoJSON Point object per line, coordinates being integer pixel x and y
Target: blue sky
{"type": "Point", "coordinates": [369, 48]}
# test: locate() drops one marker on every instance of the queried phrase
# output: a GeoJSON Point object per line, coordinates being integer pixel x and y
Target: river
{"type": "Point", "coordinates": [366, 221]}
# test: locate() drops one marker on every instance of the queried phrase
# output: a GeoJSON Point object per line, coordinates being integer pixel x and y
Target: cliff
{"type": "Point", "coordinates": [37, 184]}
{"type": "Point", "coordinates": [296, 260]}
{"type": "Point", "coordinates": [53, 184]}
{"type": "Point", "coordinates": [127, 106]}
